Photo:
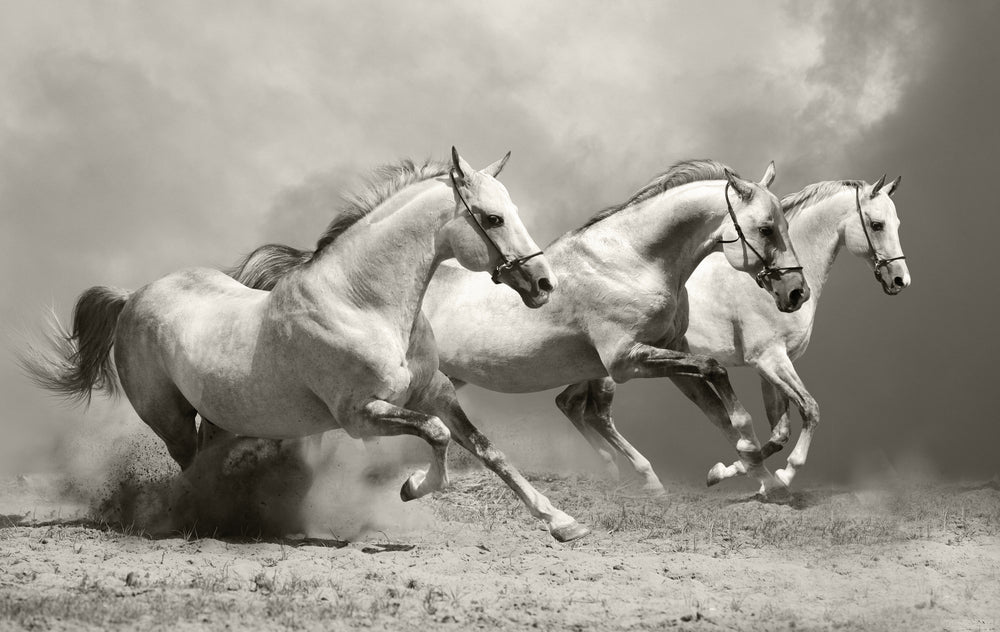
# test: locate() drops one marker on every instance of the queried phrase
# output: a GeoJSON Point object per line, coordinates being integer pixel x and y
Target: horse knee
{"type": "Point", "coordinates": [741, 419]}
{"type": "Point", "coordinates": [780, 434]}
{"type": "Point", "coordinates": [714, 370]}
{"type": "Point", "coordinates": [710, 368]}
{"type": "Point", "coordinates": [810, 413]}
{"type": "Point", "coordinates": [437, 433]}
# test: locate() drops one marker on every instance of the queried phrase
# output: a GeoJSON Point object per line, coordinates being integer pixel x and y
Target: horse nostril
{"type": "Point", "coordinates": [544, 284]}
{"type": "Point", "coordinates": [898, 281]}
{"type": "Point", "coordinates": [795, 296]}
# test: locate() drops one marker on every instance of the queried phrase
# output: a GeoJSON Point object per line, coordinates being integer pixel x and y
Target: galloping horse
{"type": "Point", "coordinates": [622, 308]}
{"type": "Point", "coordinates": [339, 343]}
{"type": "Point", "coordinates": [746, 330]}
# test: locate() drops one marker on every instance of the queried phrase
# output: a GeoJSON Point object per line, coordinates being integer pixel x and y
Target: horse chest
{"type": "Point", "coordinates": [658, 317]}
{"type": "Point", "coordinates": [409, 367]}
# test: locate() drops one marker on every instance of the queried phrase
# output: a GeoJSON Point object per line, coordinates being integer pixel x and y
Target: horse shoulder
{"type": "Point", "coordinates": [348, 352]}
{"type": "Point", "coordinates": [718, 306]}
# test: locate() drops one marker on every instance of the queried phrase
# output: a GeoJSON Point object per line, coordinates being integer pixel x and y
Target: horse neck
{"type": "Point", "coordinates": [817, 234]}
{"type": "Point", "coordinates": [386, 261]}
{"type": "Point", "coordinates": [672, 231]}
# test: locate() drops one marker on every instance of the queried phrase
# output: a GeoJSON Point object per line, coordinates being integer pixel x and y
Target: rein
{"type": "Point", "coordinates": [506, 263]}
{"type": "Point", "coordinates": [768, 271]}
{"type": "Point", "coordinates": [877, 259]}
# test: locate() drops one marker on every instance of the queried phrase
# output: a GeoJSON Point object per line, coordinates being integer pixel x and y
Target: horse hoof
{"type": "Point", "coordinates": [570, 532]}
{"type": "Point", "coordinates": [654, 491]}
{"type": "Point", "coordinates": [784, 476]}
{"type": "Point", "coordinates": [777, 494]}
{"type": "Point", "coordinates": [406, 492]}
{"type": "Point", "coordinates": [716, 474]}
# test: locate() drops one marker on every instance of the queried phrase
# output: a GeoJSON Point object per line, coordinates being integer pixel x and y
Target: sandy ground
{"type": "Point", "coordinates": [915, 558]}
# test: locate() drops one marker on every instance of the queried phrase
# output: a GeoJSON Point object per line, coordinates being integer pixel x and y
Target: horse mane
{"type": "Point", "coordinates": [681, 173]}
{"type": "Point", "coordinates": [385, 181]}
{"type": "Point", "coordinates": [266, 265]}
{"type": "Point", "coordinates": [793, 203]}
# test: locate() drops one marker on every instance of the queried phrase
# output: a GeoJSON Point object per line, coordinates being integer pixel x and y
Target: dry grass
{"type": "Point", "coordinates": [693, 558]}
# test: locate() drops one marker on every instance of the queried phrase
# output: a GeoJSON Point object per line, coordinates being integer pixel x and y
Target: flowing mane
{"type": "Point", "coordinates": [384, 182]}
{"type": "Point", "coordinates": [793, 203]}
{"type": "Point", "coordinates": [684, 172]}
{"type": "Point", "coordinates": [267, 264]}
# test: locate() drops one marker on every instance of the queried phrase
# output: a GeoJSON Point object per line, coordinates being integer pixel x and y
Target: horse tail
{"type": "Point", "coordinates": [268, 264]}
{"type": "Point", "coordinates": [75, 364]}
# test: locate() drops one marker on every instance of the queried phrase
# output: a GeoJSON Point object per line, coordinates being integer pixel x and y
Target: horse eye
{"type": "Point", "coordinates": [494, 221]}
{"type": "Point", "coordinates": [877, 226]}
{"type": "Point", "coordinates": [765, 231]}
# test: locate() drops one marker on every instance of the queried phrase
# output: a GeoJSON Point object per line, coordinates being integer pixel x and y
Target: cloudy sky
{"type": "Point", "coordinates": [141, 138]}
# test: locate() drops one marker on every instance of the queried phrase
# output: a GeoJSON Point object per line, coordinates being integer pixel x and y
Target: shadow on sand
{"type": "Point", "coordinates": [797, 499]}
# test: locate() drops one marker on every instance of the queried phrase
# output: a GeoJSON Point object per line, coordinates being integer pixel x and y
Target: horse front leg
{"type": "Point", "coordinates": [778, 369]}
{"type": "Point", "coordinates": [776, 406]}
{"type": "Point", "coordinates": [573, 402]}
{"type": "Point", "coordinates": [727, 413]}
{"type": "Point", "coordinates": [441, 400]}
{"type": "Point", "coordinates": [705, 382]}
{"type": "Point", "coordinates": [379, 418]}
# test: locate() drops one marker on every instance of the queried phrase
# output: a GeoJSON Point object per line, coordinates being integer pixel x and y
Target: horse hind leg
{"type": "Point", "coordinates": [573, 402]}
{"type": "Point", "coordinates": [776, 406]}
{"type": "Point", "coordinates": [172, 418]}
{"type": "Point", "coordinates": [598, 418]}
{"type": "Point", "coordinates": [706, 383]}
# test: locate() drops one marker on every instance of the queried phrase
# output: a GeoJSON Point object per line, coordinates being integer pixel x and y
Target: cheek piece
{"type": "Point", "coordinates": [878, 260]}
{"type": "Point", "coordinates": [506, 263]}
{"type": "Point", "coordinates": [768, 272]}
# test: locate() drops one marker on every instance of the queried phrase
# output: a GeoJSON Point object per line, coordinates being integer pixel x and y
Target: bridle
{"type": "Point", "coordinates": [506, 263]}
{"type": "Point", "coordinates": [878, 260]}
{"type": "Point", "coordinates": [768, 271]}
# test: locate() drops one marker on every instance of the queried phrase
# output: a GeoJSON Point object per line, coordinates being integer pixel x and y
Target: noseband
{"type": "Point", "coordinates": [506, 263]}
{"type": "Point", "coordinates": [768, 271]}
{"type": "Point", "coordinates": [878, 260]}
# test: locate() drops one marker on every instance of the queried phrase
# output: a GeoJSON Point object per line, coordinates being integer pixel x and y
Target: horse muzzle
{"type": "Point", "coordinates": [534, 282]}
{"type": "Point", "coordinates": [790, 290]}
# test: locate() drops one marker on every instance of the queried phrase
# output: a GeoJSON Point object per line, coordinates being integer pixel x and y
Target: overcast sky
{"type": "Point", "coordinates": [141, 138]}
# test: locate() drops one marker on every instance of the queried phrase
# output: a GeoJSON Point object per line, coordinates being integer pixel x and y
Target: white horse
{"type": "Point", "coordinates": [339, 343]}
{"type": "Point", "coordinates": [746, 330]}
{"type": "Point", "coordinates": [621, 310]}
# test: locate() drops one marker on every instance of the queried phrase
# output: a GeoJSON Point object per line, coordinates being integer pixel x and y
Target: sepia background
{"type": "Point", "coordinates": [138, 139]}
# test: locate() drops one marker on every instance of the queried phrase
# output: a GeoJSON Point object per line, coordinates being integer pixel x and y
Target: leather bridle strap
{"type": "Point", "coordinates": [506, 263]}
{"type": "Point", "coordinates": [879, 261]}
{"type": "Point", "coordinates": [768, 271]}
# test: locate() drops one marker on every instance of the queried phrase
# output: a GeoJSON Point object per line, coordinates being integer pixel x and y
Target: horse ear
{"type": "Point", "coordinates": [889, 190]}
{"type": "Point", "coordinates": [461, 167]}
{"type": "Point", "coordinates": [495, 169]}
{"type": "Point", "coordinates": [741, 186]}
{"type": "Point", "coordinates": [878, 186]}
{"type": "Point", "coordinates": [768, 176]}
